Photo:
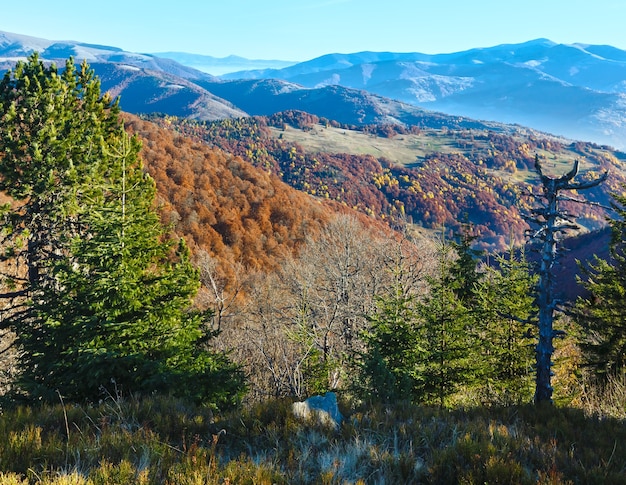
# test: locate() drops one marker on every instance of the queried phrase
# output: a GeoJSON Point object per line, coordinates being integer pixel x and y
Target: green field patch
{"type": "Point", "coordinates": [403, 149]}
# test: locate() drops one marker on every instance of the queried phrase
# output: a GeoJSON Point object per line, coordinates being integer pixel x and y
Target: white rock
{"type": "Point", "coordinates": [323, 408]}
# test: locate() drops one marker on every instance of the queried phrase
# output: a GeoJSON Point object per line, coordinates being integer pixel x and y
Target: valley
{"type": "Point", "coordinates": [430, 177]}
{"type": "Point", "coordinates": [180, 268]}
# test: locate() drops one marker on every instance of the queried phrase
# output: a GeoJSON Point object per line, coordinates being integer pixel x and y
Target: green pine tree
{"type": "Point", "coordinates": [108, 294]}
{"type": "Point", "coordinates": [463, 275]}
{"type": "Point", "coordinates": [391, 365]}
{"type": "Point", "coordinates": [446, 328]}
{"type": "Point", "coordinates": [602, 314]}
{"type": "Point", "coordinates": [447, 332]}
{"type": "Point", "coordinates": [505, 311]}
{"type": "Point", "coordinates": [422, 349]}
{"type": "Point", "coordinates": [54, 127]}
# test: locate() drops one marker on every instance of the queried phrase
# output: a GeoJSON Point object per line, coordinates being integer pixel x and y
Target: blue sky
{"type": "Point", "coordinates": [299, 30]}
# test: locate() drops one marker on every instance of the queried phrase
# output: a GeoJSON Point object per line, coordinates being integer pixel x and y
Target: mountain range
{"type": "Point", "coordinates": [222, 65]}
{"type": "Point", "coordinates": [578, 91]}
{"type": "Point", "coordinates": [575, 91]}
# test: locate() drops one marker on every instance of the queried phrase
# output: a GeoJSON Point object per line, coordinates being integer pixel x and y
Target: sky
{"type": "Point", "coordinates": [299, 30]}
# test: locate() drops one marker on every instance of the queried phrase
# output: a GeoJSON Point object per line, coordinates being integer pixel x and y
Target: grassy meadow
{"type": "Point", "coordinates": [409, 149]}
{"type": "Point", "coordinates": [161, 440]}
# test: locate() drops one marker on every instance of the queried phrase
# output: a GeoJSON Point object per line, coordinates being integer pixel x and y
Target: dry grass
{"type": "Point", "coordinates": [8, 361]}
{"type": "Point", "coordinates": [166, 441]}
{"type": "Point", "coordinates": [606, 399]}
{"type": "Point", "coordinates": [407, 149]}
{"type": "Point", "coordinates": [401, 149]}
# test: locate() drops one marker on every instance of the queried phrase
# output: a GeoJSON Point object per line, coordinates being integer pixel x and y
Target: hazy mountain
{"type": "Point", "coordinates": [578, 91]}
{"type": "Point", "coordinates": [148, 91]}
{"type": "Point", "coordinates": [146, 83]}
{"type": "Point", "coordinates": [345, 105]}
{"type": "Point", "coordinates": [222, 65]}
{"type": "Point", "coordinates": [150, 84]}
{"type": "Point", "coordinates": [15, 46]}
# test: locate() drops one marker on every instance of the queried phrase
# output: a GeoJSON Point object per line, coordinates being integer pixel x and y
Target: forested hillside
{"type": "Point", "coordinates": [481, 177]}
{"type": "Point", "coordinates": [224, 205]}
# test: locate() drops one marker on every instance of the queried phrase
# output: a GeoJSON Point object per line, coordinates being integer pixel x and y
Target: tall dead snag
{"type": "Point", "coordinates": [552, 221]}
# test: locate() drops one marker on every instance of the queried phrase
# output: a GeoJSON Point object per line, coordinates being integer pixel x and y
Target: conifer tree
{"type": "Point", "coordinates": [463, 275]}
{"type": "Point", "coordinates": [53, 129]}
{"type": "Point", "coordinates": [391, 366]}
{"type": "Point", "coordinates": [447, 333]}
{"type": "Point", "coordinates": [422, 348]}
{"type": "Point", "coordinates": [109, 293]}
{"type": "Point", "coordinates": [506, 307]}
{"type": "Point", "coordinates": [602, 314]}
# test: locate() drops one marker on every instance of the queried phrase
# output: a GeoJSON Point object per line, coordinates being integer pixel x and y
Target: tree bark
{"type": "Point", "coordinates": [551, 221]}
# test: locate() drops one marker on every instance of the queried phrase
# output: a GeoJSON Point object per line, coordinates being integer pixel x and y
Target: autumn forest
{"type": "Point", "coordinates": [171, 287]}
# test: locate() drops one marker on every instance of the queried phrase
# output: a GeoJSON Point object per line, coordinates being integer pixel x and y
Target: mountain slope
{"type": "Point", "coordinates": [147, 91]}
{"type": "Point", "coordinates": [145, 83]}
{"type": "Point", "coordinates": [432, 177]}
{"type": "Point", "coordinates": [578, 91]}
{"type": "Point", "coordinates": [221, 204]}
{"type": "Point", "coordinates": [345, 105]}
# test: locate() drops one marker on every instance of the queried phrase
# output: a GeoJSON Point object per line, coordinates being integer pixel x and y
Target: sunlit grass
{"type": "Point", "coordinates": [401, 149]}
{"type": "Point", "coordinates": [167, 441]}
{"type": "Point", "coordinates": [407, 149]}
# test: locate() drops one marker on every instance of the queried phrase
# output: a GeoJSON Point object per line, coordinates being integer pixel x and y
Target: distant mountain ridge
{"type": "Point", "coordinates": [575, 91]}
{"type": "Point", "coordinates": [146, 83]}
{"type": "Point", "coordinates": [222, 65]}
{"type": "Point", "coordinates": [17, 46]}
{"type": "Point", "coordinates": [578, 90]}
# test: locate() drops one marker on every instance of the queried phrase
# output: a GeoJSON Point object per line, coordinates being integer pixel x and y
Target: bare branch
{"type": "Point", "coordinates": [587, 185]}
{"type": "Point", "coordinates": [566, 198]}
{"type": "Point", "coordinates": [552, 221]}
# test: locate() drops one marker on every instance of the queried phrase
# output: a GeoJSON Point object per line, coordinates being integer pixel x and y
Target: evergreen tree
{"type": "Point", "coordinates": [506, 307]}
{"type": "Point", "coordinates": [391, 365]}
{"type": "Point", "coordinates": [424, 349]}
{"type": "Point", "coordinates": [109, 292]}
{"type": "Point", "coordinates": [447, 333]}
{"type": "Point", "coordinates": [463, 275]}
{"type": "Point", "coordinates": [54, 128]}
{"type": "Point", "coordinates": [602, 314]}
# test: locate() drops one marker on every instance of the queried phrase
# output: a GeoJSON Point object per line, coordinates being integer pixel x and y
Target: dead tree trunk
{"type": "Point", "coordinates": [551, 221]}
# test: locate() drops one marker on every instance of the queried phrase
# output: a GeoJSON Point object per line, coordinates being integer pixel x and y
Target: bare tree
{"type": "Point", "coordinates": [216, 291]}
{"type": "Point", "coordinates": [331, 285]}
{"type": "Point", "coordinates": [304, 323]}
{"type": "Point", "coordinates": [552, 222]}
{"type": "Point", "coordinates": [273, 361]}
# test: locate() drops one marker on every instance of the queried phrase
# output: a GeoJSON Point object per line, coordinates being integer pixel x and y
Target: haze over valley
{"type": "Point", "coordinates": [574, 91]}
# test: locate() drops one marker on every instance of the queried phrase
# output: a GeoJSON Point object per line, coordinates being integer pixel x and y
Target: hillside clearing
{"type": "Point", "coordinates": [411, 149]}
{"type": "Point", "coordinates": [401, 149]}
